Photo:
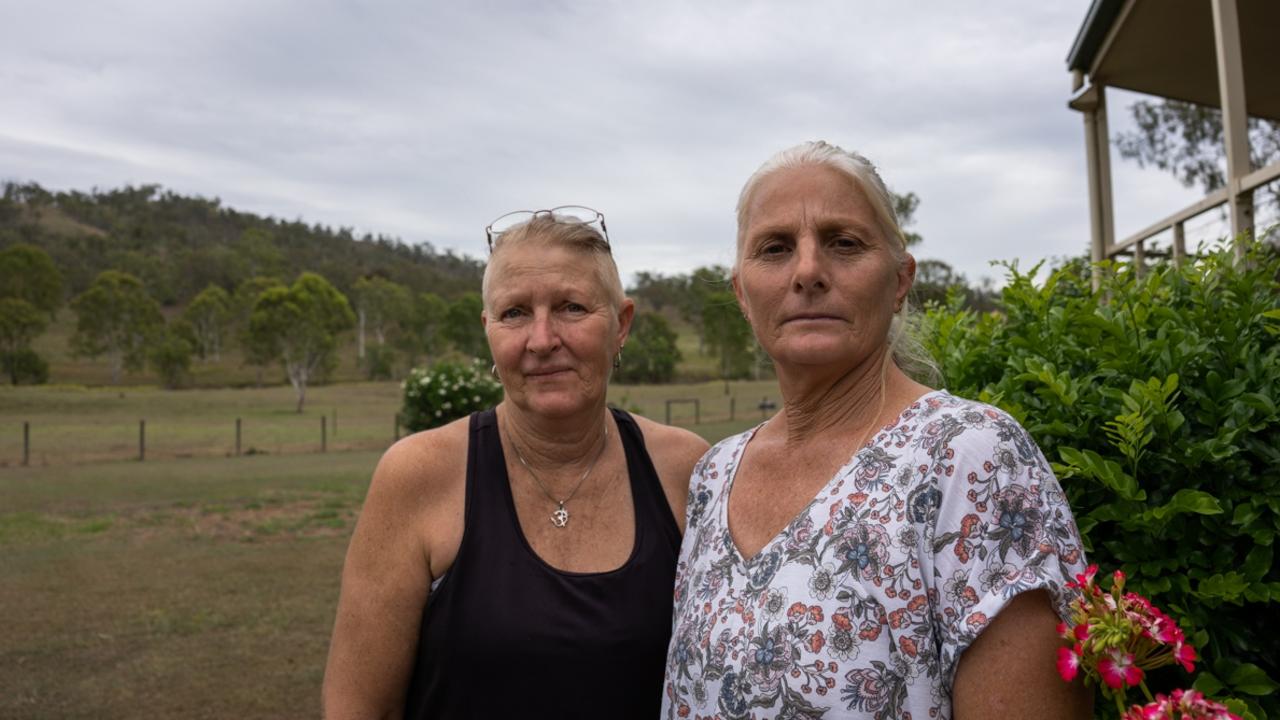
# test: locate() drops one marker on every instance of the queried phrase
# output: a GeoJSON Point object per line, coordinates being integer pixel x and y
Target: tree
{"type": "Point", "coordinates": [1186, 140]}
{"type": "Point", "coordinates": [462, 326]}
{"type": "Point", "coordinates": [20, 323]}
{"type": "Point", "coordinates": [380, 305]}
{"type": "Point", "coordinates": [651, 353]}
{"type": "Point", "coordinates": [704, 282]}
{"type": "Point", "coordinates": [301, 324]}
{"type": "Point", "coordinates": [117, 317]}
{"type": "Point", "coordinates": [28, 273]}
{"type": "Point", "coordinates": [905, 206]}
{"type": "Point", "coordinates": [934, 280]}
{"type": "Point", "coordinates": [728, 334]}
{"type": "Point", "coordinates": [210, 316]}
{"type": "Point", "coordinates": [423, 332]}
{"type": "Point", "coordinates": [258, 350]}
{"type": "Point", "coordinates": [658, 291]}
{"type": "Point", "coordinates": [170, 355]}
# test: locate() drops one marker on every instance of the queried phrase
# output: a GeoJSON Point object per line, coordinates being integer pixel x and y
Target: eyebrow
{"type": "Point", "coordinates": [837, 223]}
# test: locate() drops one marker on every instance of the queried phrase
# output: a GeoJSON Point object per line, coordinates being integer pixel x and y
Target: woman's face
{"type": "Point", "coordinates": [551, 328]}
{"type": "Point", "coordinates": [816, 277]}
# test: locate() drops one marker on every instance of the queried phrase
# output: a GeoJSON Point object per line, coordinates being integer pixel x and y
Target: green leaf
{"type": "Point", "coordinates": [1188, 501]}
{"type": "Point", "coordinates": [1228, 587]}
{"type": "Point", "coordinates": [1208, 683]}
{"type": "Point", "coordinates": [1251, 680]}
{"type": "Point", "coordinates": [1257, 562]}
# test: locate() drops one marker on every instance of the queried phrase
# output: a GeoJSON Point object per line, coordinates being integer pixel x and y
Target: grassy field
{"type": "Point", "coordinates": [196, 584]}
{"type": "Point", "coordinates": [192, 588]}
{"type": "Point", "coordinates": [71, 424]}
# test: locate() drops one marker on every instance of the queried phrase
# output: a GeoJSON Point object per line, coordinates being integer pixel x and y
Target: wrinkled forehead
{"type": "Point", "coordinates": [808, 195]}
{"type": "Point", "coordinates": [536, 266]}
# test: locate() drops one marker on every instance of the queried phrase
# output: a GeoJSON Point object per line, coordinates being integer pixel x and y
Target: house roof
{"type": "Point", "coordinates": [1166, 48]}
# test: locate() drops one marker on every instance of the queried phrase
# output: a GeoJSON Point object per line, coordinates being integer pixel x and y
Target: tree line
{"type": "Point", "coordinates": [151, 251]}
{"type": "Point", "coordinates": [297, 326]}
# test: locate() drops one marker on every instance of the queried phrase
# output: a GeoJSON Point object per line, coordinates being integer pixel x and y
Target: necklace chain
{"type": "Point", "coordinates": [560, 517]}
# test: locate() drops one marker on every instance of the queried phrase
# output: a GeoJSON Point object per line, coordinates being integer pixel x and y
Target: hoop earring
{"type": "Point", "coordinates": [617, 360]}
{"type": "Point", "coordinates": [494, 371]}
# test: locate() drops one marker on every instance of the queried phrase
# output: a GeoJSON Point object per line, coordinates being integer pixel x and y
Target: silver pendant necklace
{"type": "Point", "coordinates": [560, 517]}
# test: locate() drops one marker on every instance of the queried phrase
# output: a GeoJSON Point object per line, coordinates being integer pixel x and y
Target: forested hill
{"type": "Point", "coordinates": [177, 245]}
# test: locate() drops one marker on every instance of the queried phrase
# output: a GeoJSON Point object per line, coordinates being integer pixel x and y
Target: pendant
{"type": "Point", "coordinates": [560, 517]}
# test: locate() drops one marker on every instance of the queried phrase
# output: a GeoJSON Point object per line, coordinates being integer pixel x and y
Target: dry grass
{"type": "Point", "coordinates": [200, 589]}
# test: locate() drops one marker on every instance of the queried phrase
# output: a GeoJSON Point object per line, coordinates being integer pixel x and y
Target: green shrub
{"type": "Point", "coordinates": [171, 356]}
{"type": "Point", "coordinates": [379, 361]}
{"type": "Point", "coordinates": [24, 365]}
{"type": "Point", "coordinates": [651, 353]}
{"type": "Point", "coordinates": [1156, 399]}
{"type": "Point", "coordinates": [445, 392]}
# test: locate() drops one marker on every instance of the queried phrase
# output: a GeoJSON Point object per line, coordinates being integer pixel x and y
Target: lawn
{"type": "Point", "coordinates": [192, 588]}
{"type": "Point", "coordinates": [73, 424]}
{"type": "Point", "coordinates": [198, 584]}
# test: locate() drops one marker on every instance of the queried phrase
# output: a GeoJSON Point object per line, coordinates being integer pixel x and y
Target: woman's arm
{"type": "Point", "coordinates": [386, 578]}
{"type": "Point", "coordinates": [1009, 672]}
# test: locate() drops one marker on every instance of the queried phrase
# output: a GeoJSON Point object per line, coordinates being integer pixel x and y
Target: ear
{"type": "Point", "coordinates": [906, 278]}
{"type": "Point", "coordinates": [737, 292]}
{"type": "Point", "coordinates": [626, 314]}
{"type": "Point", "coordinates": [484, 319]}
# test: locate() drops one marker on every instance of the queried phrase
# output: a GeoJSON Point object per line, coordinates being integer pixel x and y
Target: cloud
{"type": "Point", "coordinates": [426, 120]}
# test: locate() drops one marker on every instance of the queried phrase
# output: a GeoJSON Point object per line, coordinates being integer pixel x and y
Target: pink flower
{"type": "Point", "coordinates": [1186, 656]}
{"type": "Point", "coordinates": [1084, 579]}
{"type": "Point", "coordinates": [1195, 706]}
{"type": "Point", "coordinates": [1183, 705]}
{"type": "Point", "coordinates": [1069, 662]}
{"type": "Point", "coordinates": [1081, 632]}
{"type": "Point", "coordinates": [1118, 670]}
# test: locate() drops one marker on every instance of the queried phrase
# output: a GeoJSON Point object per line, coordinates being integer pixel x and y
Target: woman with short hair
{"type": "Point", "coordinates": [876, 549]}
{"type": "Point", "coordinates": [519, 562]}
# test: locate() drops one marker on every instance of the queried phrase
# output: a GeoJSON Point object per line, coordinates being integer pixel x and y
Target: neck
{"type": "Point", "coordinates": [555, 444]}
{"type": "Point", "coordinates": [850, 401]}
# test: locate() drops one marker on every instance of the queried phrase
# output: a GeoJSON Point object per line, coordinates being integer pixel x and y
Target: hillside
{"type": "Point", "coordinates": [179, 244]}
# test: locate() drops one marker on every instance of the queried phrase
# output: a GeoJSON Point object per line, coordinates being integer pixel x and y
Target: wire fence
{"type": "Point", "coordinates": [78, 440]}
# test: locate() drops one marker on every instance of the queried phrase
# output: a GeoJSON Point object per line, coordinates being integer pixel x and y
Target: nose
{"type": "Point", "coordinates": [543, 338]}
{"type": "Point", "coordinates": [809, 269]}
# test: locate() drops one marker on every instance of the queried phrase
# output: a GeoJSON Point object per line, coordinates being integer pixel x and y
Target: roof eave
{"type": "Point", "coordinates": [1097, 23]}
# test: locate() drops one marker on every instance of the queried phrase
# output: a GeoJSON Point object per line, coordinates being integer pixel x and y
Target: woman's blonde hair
{"type": "Point", "coordinates": [904, 347]}
{"type": "Point", "coordinates": [546, 231]}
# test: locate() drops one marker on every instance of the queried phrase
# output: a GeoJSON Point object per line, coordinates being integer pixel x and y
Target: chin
{"type": "Point", "coordinates": [814, 353]}
{"type": "Point", "coordinates": [554, 405]}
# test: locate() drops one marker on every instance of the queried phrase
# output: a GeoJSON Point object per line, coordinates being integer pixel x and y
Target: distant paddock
{"type": "Point", "coordinates": [73, 424]}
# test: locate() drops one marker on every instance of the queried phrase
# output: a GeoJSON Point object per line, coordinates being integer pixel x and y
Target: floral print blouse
{"type": "Point", "coordinates": [862, 605]}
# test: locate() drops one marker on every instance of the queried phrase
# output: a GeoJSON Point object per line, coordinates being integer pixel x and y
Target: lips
{"type": "Point", "coordinates": [545, 372]}
{"type": "Point", "coordinates": [811, 316]}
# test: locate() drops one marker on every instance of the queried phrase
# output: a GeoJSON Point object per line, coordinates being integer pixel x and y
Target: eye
{"type": "Point", "coordinates": [511, 313]}
{"type": "Point", "coordinates": [773, 246]}
{"type": "Point", "coordinates": [573, 307]}
{"type": "Point", "coordinates": [846, 241]}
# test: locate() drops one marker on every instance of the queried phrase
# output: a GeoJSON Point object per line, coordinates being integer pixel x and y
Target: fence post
{"type": "Point", "coordinates": [697, 412]}
{"type": "Point", "coordinates": [237, 437]}
{"type": "Point", "coordinates": [1179, 245]}
{"type": "Point", "coordinates": [733, 402]}
{"type": "Point", "coordinates": [324, 440]}
{"type": "Point", "coordinates": [142, 440]}
{"type": "Point", "coordinates": [335, 422]}
{"type": "Point", "coordinates": [26, 443]}
{"type": "Point", "coordinates": [396, 437]}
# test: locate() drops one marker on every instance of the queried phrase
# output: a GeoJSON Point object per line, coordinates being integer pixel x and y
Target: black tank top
{"type": "Point", "coordinates": [505, 635]}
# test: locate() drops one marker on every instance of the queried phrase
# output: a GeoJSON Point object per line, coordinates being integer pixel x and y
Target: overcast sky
{"type": "Point", "coordinates": [425, 120]}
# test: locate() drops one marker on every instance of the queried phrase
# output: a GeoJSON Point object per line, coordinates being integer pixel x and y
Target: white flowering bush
{"type": "Point", "coordinates": [445, 392]}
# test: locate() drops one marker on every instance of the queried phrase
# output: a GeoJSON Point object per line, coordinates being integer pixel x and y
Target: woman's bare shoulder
{"type": "Point", "coordinates": [422, 468]}
{"type": "Point", "coordinates": [670, 445]}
